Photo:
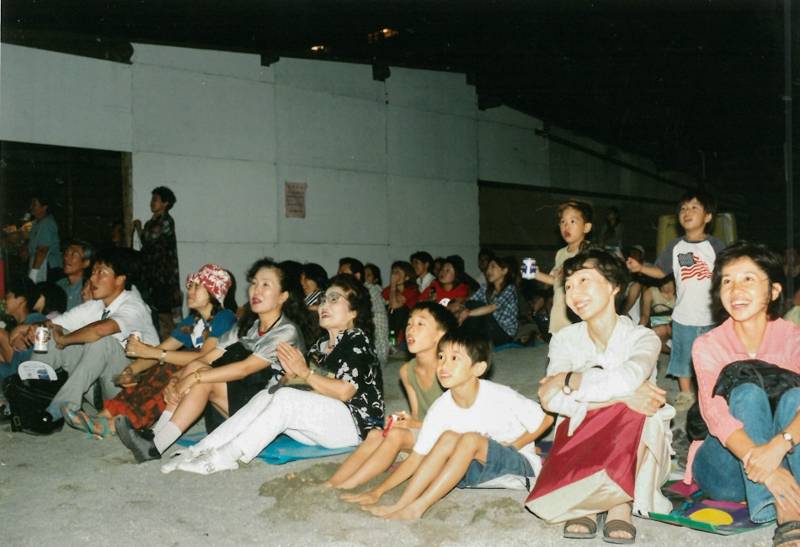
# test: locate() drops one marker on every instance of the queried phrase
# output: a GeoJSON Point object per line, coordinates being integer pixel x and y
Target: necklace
{"type": "Point", "coordinates": [260, 333]}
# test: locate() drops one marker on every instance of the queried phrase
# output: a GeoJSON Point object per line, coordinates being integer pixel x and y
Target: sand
{"type": "Point", "coordinates": [68, 491]}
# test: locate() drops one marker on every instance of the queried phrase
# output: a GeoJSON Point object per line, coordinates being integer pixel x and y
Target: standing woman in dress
{"type": "Point", "coordinates": [160, 258]}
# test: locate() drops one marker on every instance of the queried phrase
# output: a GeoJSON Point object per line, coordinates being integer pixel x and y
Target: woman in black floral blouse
{"type": "Point", "coordinates": [337, 402]}
{"type": "Point", "coordinates": [160, 257]}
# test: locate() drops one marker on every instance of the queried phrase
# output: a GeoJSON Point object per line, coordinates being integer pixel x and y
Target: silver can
{"type": "Point", "coordinates": [528, 268]}
{"type": "Point", "coordinates": [42, 336]}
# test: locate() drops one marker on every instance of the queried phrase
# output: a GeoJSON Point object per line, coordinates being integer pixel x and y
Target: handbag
{"type": "Point", "coordinates": [28, 398]}
{"type": "Point", "coordinates": [774, 380]}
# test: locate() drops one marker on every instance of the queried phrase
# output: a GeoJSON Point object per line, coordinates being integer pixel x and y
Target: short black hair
{"type": "Point", "coordinates": [356, 266]}
{"type": "Point", "coordinates": [166, 195]}
{"type": "Point", "coordinates": [607, 263]}
{"type": "Point", "coordinates": [423, 257]}
{"type": "Point", "coordinates": [88, 249]}
{"type": "Point", "coordinates": [317, 274]}
{"type": "Point", "coordinates": [44, 197]}
{"type": "Point", "coordinates": [765, 259]}
{"type": "Point", "coordinates": [444, 318]}
{"type": "Point", "coordinates": [486, 253]}
{"type": "Point", "coordinates": [477, 345]}
{"type": "Point", "coordinates": [24, 287]}
{"type": "Point", "coordinates": [119, 259]}
{"type": "Point", "coordinates": [55, 299]}
{"type": "Point", "coordinates": [706, 200]}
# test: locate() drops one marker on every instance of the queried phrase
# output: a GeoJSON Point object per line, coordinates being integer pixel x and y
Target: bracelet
{"type": "Point", "coordinates": [310, 372]}
{"type": "Point", "coordinates": [197, 376]}
{"type": "Point", "coordinates": [163, 357]}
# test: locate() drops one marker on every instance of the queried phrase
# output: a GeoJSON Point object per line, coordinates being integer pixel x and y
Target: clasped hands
{"type": "Point", "coordinates": [646, 399]}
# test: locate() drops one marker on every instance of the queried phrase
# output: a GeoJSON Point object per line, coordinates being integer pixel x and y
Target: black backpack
{"type": "Point", "coordinates": [28, 398]}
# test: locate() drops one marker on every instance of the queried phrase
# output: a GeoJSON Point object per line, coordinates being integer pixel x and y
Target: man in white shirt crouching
{"type": "Point", "coordinates": [88, 341]}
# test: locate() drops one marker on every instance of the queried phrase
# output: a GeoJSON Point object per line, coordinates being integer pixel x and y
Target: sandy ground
{"type": "Point", "coordinates": [68, 491]}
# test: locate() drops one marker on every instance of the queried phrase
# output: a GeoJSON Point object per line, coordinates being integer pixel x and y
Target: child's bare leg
{"type": "Point", "coordinates": [355, 460]}
{"type": "Point", "coordinates": [428, 471]}
{"type": "Point", "coordinates": [381, 459]}
{"type": "Point", "coordinates": [685, 384]}
{"type": "Point", "coordinates": [470, 446]}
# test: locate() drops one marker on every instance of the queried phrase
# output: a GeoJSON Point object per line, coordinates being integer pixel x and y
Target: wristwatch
{"type": "Point", "coordinates": [788, 436]}
{"type": "Point", "coordinates": [567, 390]}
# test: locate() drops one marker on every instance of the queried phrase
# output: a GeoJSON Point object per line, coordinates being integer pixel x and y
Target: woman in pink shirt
{"type": "Point", "coordinates": [749, 454]}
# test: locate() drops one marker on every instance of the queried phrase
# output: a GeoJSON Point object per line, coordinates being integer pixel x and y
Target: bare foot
{"type": "Point", "coordinates": [380, 510]}
{"type": "Point", "coordinates": [367, 498]}
{"type": "Point", "coordinates": [407, 513]}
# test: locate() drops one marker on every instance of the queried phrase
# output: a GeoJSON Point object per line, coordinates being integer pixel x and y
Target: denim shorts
{"type": "Point", "coordinates": [501, 460]}
{"type": "Point", "coordinates": [680, 359]}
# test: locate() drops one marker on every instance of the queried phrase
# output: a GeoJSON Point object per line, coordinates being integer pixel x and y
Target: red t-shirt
{"type": "Point", "coordinates": [411, 294]}
{"type": "Point", "coordinates": [461, 291]}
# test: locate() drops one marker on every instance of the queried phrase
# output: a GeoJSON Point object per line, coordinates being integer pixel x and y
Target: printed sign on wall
{"type": "Point", "coordinates": [296, 199]}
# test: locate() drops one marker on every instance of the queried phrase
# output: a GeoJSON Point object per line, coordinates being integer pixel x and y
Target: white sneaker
{"type": "Point", "coordinates": [684, 400]}
{"type": "Point", "coordinates": [178, 457]}
{"type": "Point", "coordinates": [209, 462]}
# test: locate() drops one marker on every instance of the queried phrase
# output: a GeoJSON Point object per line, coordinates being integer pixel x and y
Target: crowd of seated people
{"type": "Point", "coordinates": [304, 357]}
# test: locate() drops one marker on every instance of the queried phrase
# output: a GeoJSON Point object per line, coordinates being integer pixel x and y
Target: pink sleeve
{"type": "Point", "coordinates": [709, 360]}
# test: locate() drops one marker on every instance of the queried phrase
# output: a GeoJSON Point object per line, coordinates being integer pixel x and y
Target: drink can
{"type": "Point", "coordinates": [42, 336]}
{"type": "Point", "coordinates": [136, 335]}
{"type": "Point", "coordinates": [528, 268]}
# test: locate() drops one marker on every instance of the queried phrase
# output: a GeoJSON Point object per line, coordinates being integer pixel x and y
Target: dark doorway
{"type": "Point", "coordinates": [86, 186]}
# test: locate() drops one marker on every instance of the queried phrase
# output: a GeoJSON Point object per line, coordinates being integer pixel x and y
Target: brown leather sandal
{"type": "Point", "coordinates": [619, 526]}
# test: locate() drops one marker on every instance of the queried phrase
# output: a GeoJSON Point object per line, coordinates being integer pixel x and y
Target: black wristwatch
{"type": "Point", "coordinates": [567, 390]}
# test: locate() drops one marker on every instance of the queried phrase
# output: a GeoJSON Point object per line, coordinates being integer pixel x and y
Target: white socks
{"type": "Point", "coordinates": [166, 436]}
{"type": "Point", "coordinates": [165, 416]}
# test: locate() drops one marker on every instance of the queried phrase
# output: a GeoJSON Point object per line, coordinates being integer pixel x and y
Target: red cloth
{"type": "Point", "coordinates": [607, 439]}
{"type": "Point", "coordinates": [461, 291]}
{"type": "Point", "coordinates": [411, 293]}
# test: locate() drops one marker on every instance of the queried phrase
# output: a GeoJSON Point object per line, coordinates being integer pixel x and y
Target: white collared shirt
{"type": "Point", "coordinates": [629, 360]}
{"type": "Point", "coordinates": [128, 310]}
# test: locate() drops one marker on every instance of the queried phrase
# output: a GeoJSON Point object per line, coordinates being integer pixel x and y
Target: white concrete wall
{"type": "Point", "coordinates": [391, 166]}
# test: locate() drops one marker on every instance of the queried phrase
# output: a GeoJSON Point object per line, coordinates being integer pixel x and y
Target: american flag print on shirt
{"type": "Point", "coordinates": [692, 267]}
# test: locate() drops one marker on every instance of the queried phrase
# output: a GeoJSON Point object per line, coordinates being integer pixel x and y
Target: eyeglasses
{"type": "Point", "coordinates": [331, 298]}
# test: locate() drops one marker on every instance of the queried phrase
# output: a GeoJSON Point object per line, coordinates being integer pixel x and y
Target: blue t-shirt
{"type": "Point", "coordinates": [21, 356]}
{"type": "Point", "coordinates": [45, 233]}
{"type": "Point", "coordinates": [222, 323]}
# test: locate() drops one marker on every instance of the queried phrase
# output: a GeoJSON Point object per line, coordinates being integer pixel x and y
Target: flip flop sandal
{"type": "Point", "coordinates": [587, 523]}
{"type": "Point", "coordinates": [619, 526]}
{"type": "Point", "coordinates": [69, 419]}
{"type": "Point", "coordinates": [783, 533]}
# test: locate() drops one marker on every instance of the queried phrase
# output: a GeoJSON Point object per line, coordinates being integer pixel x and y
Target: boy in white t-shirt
{"type": "Point", "coordinates": [476, 434]}
{"type": "Point", "coordinates": [691, 259]}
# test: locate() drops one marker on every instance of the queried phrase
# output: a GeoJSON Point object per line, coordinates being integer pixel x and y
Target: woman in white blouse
{"type": "Point", "coordinates": [612, 446]}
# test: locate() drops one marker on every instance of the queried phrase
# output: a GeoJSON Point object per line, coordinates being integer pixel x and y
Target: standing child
{"type": "Point", "coordinates": [477, 434]}
{"type": "Point", "coordinates": [429, 321]}
{"type": "Point", "coordinates": [575, 223]}
{"type": "Point", "coordinates": [691, 258]}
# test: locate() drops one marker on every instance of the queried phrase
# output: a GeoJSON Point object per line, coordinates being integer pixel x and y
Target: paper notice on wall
{"type": "Point", "coordinates": [296, 199]}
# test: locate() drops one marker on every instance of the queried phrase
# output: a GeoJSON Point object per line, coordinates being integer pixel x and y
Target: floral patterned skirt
{"type": "Point", "coordinates": [144, 402]}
